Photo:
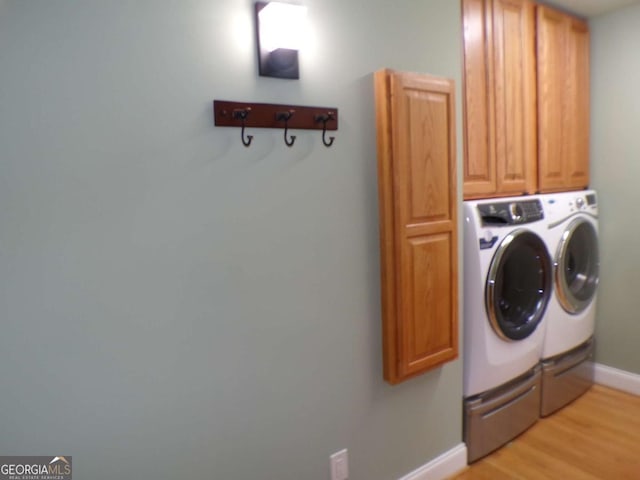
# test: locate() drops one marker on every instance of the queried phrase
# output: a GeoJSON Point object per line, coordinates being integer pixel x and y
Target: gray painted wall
{"type": "Point", "coordinates": [175, 305]}
{"type": "Point", "coordinates": [615, 155]}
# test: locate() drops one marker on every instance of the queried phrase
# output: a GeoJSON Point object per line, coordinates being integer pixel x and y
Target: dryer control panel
{"type": "Point", "coordinates": [511, 213]}
{"type": "Point", "coordinates": [558, 207]}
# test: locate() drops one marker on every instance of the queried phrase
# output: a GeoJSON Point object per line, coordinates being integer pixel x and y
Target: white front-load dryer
{"type": "Point", "coordinates": [567, 353]}
{"type": "Point", "coordinates": [507, 286]}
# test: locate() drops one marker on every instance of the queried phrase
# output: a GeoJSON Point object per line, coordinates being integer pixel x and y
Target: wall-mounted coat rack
{"type": "Point", "coordinates": [271, 115]}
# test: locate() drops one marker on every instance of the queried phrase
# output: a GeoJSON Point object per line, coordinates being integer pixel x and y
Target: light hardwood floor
{"type": "Point", "coordinates": [597, 437]}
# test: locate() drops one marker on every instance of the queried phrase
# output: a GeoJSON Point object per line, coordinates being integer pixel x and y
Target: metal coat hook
{"type": "Point", "coordinates": [241, 114]}
{"type": "Point", "coordinates": [324, 119]}
{"type": "Point", "coordinates": [284, 117]}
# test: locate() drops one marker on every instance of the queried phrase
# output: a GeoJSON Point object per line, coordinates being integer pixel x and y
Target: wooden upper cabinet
{"type": "Point", "coordinates": [415, 117]}
{"type": "Point", "coordinates": [526, 99]}
{"type": "Point", "coordinates": [578, 104]}
{"type": "Point", "coordinates": [479, 164]}
{"type": "Point", "coordinates": [515, 95]}
{"type": "Point", "coordinates": [563, 101]}
{"type": "Point", "coordinates": [500, 97]}
{"type": "Point", "coordinates": [551, 85]}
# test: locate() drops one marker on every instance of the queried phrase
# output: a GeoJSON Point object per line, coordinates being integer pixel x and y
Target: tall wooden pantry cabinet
{"type": "Point", "coordinates": [415, 117]}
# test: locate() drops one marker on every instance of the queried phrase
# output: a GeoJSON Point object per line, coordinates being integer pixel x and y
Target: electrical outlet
{"type": "Point", "coordinates": [340, 465]}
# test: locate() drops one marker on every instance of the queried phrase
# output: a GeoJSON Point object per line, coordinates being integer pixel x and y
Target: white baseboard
{"type": "Point", "coordinates": [618, 379]}
{"type": "Point", "coordinates": [447, 464]}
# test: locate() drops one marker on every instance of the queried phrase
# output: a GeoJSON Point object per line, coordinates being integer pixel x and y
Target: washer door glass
{"type": "Point", "coordinates": [577, 266]}
{"type": "Point", "coordinates": [518, 285]}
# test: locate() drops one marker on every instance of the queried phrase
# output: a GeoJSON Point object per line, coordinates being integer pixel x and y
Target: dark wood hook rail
{"type": "Point", "coordinates": [270, 115]}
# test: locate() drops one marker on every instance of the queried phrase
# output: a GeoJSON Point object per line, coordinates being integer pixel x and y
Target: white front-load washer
{"type": "Point", "coordinates": [507, 286]}
{"type": "Point", "coordinates": [567, 353]}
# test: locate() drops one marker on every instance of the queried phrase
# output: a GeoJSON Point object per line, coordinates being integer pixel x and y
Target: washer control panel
{"type": "Point", "coordinates": [511, 213]}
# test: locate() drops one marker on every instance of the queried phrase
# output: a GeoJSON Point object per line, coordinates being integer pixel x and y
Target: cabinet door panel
{"type": "Point", "coordinates": [551, 87]}
{"type": "Point", "coordinates": [515, 101]}
{"type": "Point", "coordinates": [563, 101]}
{"type": "Point", "coordinates": [423, 146]}
{"type": "Point", "coordinates": [479, 164]}
{"type": "Point", "coordinates": [426, 283]}
{"type": "Point", "coordinates": [577, 106]}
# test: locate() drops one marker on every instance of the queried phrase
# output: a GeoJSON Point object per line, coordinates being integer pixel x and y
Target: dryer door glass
{"type": "Point", "coordinates": [518, 285]}
{"type": "Point", "coordinates": [577, 266]}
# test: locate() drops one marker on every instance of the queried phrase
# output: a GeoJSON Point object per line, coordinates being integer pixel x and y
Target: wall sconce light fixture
{"type": "Point", "coordinates": [280, 33]}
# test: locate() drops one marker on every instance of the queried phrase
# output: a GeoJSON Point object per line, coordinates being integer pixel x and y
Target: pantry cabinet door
{"type": "Point", "coordinates": [418, 221]}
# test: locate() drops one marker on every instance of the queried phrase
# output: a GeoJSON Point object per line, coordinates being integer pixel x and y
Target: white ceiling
{"type": "Point", "coordinates": [590, 8]}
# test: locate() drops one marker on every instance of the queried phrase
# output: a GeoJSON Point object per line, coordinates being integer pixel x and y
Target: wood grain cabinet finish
{"type": "Point", "coordinates": [500, 98]}
{"type": "Point", "coordinates": [415, 117]}
{"type": "Point", "coordinates": [563, 101]}
{"type": "Point", "coordinates": [526, 103]}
